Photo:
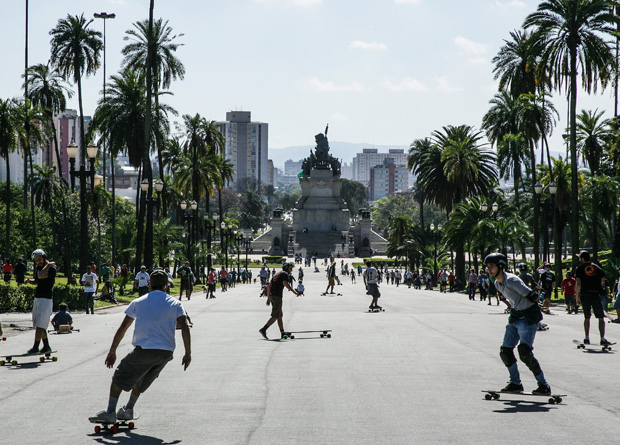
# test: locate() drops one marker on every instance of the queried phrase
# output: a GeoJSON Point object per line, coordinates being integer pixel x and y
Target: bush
{"type": "Point", "coordinates": [277, 259]}
{"type": "Point", "coordinates": [21, 298]}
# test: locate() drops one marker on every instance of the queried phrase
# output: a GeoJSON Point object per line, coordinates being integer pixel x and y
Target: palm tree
{"type": "Point", "coordinates": [570, 34]}
{"type": "Point", "coordinates": [75, 51]}
{"type": "Point", "coordinates": [9, 128]}
{"type": "Point", "coordinates": [515, 65]}
{"type": "Point", "coordinates": [99, 200]}
{"type": "Point", "coordinates": [417, 150]}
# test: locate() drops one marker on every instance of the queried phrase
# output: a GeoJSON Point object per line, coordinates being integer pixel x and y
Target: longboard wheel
{"type": "Point", "coordinates": [285, 337]}
{"type": "Point", "coordinates": [495, 396]}
{"type": "Point", "coordinates": [131, 425]}
{"type": "Point", "coordinates": [2, 362]}
{"type": "Point", "coordinates": [114, 428]}
{"type": "Point", "coordinates": [488, 396]}
{"type": "Point", "coordinates": [97, 429]}
{"type": "Point", "coordinates": [54, 359]}
{"type": "Point", "coordinates": [329, 335]}
{"type": "Point", "coordinates": [14, 362]}
{"type": "Point", "coordinates": [322, 335]}
{"type": "Point", "coordinates": [41, 359]}
{"type": "Point", "coordinates": [292, 337]}
{"type": "Point", "coordinates": [558, 399]}
{"type": "Point", "coordinates": [552, 401]}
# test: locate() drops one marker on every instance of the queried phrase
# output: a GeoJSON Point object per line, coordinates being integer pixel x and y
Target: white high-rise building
{"type": "Point", "coordinates": [370, 157]}
{"type": "Point", "coordinates": [247, 147]}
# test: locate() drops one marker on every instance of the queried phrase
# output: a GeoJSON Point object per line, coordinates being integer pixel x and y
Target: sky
{"type": "Point", "coordinates": [380, 72]}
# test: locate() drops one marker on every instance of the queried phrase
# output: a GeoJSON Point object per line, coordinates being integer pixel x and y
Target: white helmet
{"type": "Point", "coordinates": [38, 252]}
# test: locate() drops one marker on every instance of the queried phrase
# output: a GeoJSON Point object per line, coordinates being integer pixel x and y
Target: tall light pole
{"type": "Point", "coordinates": [105, 16]}
{"type": "Point", "coordinates": [436, 234]}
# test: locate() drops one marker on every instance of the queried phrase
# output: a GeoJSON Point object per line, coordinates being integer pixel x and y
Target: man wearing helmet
{"type": "Point", "coordinates": [522, 325]}
{"type": "Point", "coordinates": [44, 279]}
{"type": "Point", "coordinates": [274, 297]}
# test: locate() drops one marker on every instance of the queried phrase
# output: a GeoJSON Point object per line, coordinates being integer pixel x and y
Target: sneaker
{"type": "Point", "coordinates": [45, 350]}
{"type": "Point", "coordinates": [126, 414]}
{"type": "Point", "coordinates": [513, 387]}
{"type": "Point", "coordinates": [542, 390]}
{"type": "Point", "coordinates": [605, 342]}
{"type": "Point", "coordinates": [33, 351]}
{"type": "Point", "coordinates": [103, 417]}
{"type": "Point", "coordinates": [586, 341]}
{"type": "Point", "coordinates": [263, 332]}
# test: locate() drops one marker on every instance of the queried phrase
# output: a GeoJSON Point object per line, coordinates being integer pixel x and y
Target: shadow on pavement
{"type": "Point", "coordinates": [520, 406]}
{"type": "Point", "coordinates": [130, 437]}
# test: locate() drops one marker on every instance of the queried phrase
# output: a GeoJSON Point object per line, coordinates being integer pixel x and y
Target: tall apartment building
{"type": "Point", "coordinates": [386, 179]}
{"type": "Point", "coordinates": [370, 157]}
{"type": "Point", "coordinates": [292, 167]}
{"type": "Point", "coordinates": [247, 147]}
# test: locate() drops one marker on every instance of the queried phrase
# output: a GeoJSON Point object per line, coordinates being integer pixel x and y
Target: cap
{"type": "Point", "coordinates": [584, 254]}
{"type": "Point", "coordinates": [159, 278]}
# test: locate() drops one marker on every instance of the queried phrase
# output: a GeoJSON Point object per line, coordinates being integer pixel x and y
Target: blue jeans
{"type": "Point", "coordinates": [520, 332]}
{"type": "Point", "coordinates": [89, 302]}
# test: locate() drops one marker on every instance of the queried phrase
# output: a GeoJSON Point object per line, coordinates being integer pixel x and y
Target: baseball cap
{"type": "Point", "coordinates": [159, 278]}
{"type": "Point", "coordinates": [584, 254]}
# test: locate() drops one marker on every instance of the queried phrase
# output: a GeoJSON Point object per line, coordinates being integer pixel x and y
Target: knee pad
{"type": "Point", "coordinates": [526, 356]}
{"type": "Point", "coordinates": [508, 356]}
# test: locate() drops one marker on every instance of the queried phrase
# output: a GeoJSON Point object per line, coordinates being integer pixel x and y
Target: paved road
{"type": "Point", "coordinates": [412, 374]}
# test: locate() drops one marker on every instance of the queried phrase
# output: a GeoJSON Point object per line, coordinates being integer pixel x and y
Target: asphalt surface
{"type": "Point", "coordinates": [410, 375]}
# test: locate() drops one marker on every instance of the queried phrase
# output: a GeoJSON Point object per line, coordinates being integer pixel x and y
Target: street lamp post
{"type": "Point", "coordinates": [247, 243]}
{"type": "Point", "coordinates": [553, 189]}
{"type": "Point", "coordinates": [91, 150]}
{"type": "Point", "coordinates": [189, 215]}
{"type": "Point", "coordinates": [436, 234]}
{"type": "Point", "coordinates": [239, 240]}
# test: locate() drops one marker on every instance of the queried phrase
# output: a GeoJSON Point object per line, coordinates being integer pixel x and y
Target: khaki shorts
{"type": "Point", "coordinates": [276, 306]}
{"type": "Point", "coordinates": [41, 312]}
{"type": "Point", "coordinates": [140, 368]}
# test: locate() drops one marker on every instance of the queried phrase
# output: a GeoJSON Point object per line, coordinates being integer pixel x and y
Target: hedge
{"type": "Point", "coordinates": [21, 298]}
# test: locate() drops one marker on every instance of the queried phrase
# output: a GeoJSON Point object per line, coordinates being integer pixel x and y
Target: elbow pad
{"type": "Point", "coordinates": [532, 296]}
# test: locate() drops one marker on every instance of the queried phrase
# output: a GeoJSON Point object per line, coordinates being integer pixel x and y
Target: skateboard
{"type": "Point", "coordinates": [289, 334]}
{"type": "Point", "coordinates": [331, 293]}
{"type": "Point", "coordinates": [553, 398]}
{"type": "Point", "coordinates": [376, 309]}
{"type": "Point", "coordinates": [42, 357]}
{"type": "Point", "coordinates": [543, 327]}
{"type": "Point", "coordinates": [581, 345]}
{"type": "Point", "coordinates": [114, 427]}
{"type": "Point", "coordinates": [63, 329]}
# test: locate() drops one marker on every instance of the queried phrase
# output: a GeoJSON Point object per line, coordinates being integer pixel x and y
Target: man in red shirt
{"type": "Point", "coordinates": [211, 283]}
{"type": "Point", "coordinates": [224, 279]}
{"type": "Point", "coordinates": [568, 289]}
{"type": "Point", "coordinates": [451, 278]}
{"type": "Point", "coordinates": [7, 268]}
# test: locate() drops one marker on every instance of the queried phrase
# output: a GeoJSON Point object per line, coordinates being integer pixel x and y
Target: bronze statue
{"type": "Point", "coordinates": [322, 159]}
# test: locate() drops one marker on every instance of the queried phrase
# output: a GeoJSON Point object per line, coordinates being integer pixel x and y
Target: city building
{"type": "Point", "coordinates": [247, 147]}
{"type": "Point", "coordinates": [67, 131]}
{"type": "Point", "coordinates": [292, 167]}
{"type": "Point", "coordinates": [387, 179]}
{"type": "Point", "coordinates": [370, 157]}
{"type": "Point", "coordinates": [346, 170]}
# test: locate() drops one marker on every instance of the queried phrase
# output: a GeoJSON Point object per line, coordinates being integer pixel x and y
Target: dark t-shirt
{"type": "Point", "coordinates": [547, 279]}
{"type": "Point", "coordinates": [45, 285]}
{"type": "Point", "coordinates": [20, 269]}
{"type": "Point", "coordinates": [61, 317]}
{"type": "Point", "coordinates": [184, 272]}
{"type": "Point", "coordinates": [277, 283]}
{"type": "Point", "coordinates": [590, 275]}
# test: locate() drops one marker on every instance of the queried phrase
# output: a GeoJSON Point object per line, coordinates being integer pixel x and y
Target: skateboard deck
{"type": "Point", "coordinates": [331, 293]}
{"type": "Point", "coordinates": [581, 345]}
{"type": "Point", "coordinates": [376, 309]}
{"type": "Point", "coordinates": [114, 427]}
{"type": "Point", "coordinates": [323, 334]}
{"type": "Point", "coordinates": [42, 357]}
{"type": "Point", "coordinates": [551, 398]}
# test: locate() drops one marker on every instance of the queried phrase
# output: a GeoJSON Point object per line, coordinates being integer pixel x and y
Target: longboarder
{"type": "Point", "coordinates": [156, 315]}
{"type": "Point", "coordinates": [274, 298]}
{"type": "Point", "coordinates": [522, 325]}
{"type": "Point", "coordinates": [44, 279]}
{"type": "Point", "coordinates": [372, 288]}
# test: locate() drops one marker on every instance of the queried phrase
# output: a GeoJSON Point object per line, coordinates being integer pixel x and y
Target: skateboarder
{"type": "Point", "coordinates": [331, 278]}
{"type": "Point", "coordinates": [370, 281]}
{"type": "Point", "coordinates": [590, 280]}
{"type": "Point", "coordinates": [547, 283]}
{"type": "Point", "coordinates": [156, 315]}
{"type": "Point", "coordinates": [274, 298]}
{"type": "Point", "coordinates": [44, 278]}
{"type": "Point", "coordinates": [522, 325]}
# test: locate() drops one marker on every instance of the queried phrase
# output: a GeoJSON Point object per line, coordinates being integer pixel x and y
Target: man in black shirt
{"type": "Point", "coordinates": [274, 297]}
{"type": "Point", "coordinates": [590, 279]}
{"type": "Point", "coordinates": [44, 278]}
{"type": "Point", "coordinates": [547, 283]}
{"type": "Point", "coordinates": [20, 272]}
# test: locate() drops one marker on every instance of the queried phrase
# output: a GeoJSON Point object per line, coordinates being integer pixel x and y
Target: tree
{"type": "Point", "coordinates": [569, 34]}
{"type": "Point", "coordinates": [515, 65]}
{"type": "Point", "coordinates": [354, 194]}
{"type": "Point", "coordinates": [9, 128]}
{"type": "Point", "coordinates": [417, 150]}
{"type": "Point", "coordinates": [252, 210]}
{"type": "Point", "coordinates": [75, 51]}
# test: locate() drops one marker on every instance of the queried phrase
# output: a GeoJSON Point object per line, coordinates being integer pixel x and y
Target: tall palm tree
{"type": "Point", "coordinates": [75, 52]}
{"type": "Point", "coordinates": [9, 128]}
{"type": "Point", "coordinates": [570, 35]}
{"type": "Point", "coordinates": [592, 134]}
{"type": "Point", "coordinates": [417, 150]}
{"type": "Point", "coordinates": [515, 65]}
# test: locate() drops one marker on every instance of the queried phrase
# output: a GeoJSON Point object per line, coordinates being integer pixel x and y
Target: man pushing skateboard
{"type": "Point", "coordinates": [274, 298]}
{"type": "Point", "coordinates": [156, 315]}
{"type": "Point", "coordinates": [522, 325]}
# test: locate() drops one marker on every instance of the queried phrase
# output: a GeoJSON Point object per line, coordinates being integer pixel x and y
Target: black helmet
{"type": "Point", "coordinates": [496, 258]}
{"type": "Point", "coordinates": [522, 267]}
{"type": "Point", "coordinates": [287, 265]}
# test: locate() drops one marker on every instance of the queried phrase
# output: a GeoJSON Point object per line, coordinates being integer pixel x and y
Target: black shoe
{"type": "Point", "coordinates": [263, 332]}
{"type": "Point", "coordinates": [542, 390]}
{"type": "Point", "coordinates": [586, 341]}
{"type": "Point", "coordinates": [605, 343]}
{"type": "Point", "coordinates": [513, 387]}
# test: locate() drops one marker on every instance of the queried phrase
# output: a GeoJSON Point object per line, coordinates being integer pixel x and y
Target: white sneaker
{"type": "Point", "coordinates": [103, 417]}
{"type": "Point", "coordinates": [125, 414]}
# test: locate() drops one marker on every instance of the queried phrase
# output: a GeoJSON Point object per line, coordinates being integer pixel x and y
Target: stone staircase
{"type": "Point", "coordinates": [322, 242]}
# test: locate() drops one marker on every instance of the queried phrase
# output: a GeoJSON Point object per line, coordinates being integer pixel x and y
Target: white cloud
{"type": "Point", "coordinates": [303, 3]}
{"type": "Point", "coordinates": [511, 4]}
{"type": "Point", "coordinates": [406, 84]}
{"type": "Point", "coordinates": [407, 2]}
{"type": "Point", "coordinates": [325, 86]}
{"type": "Point", "coordinates": [375, 46]}
{"type": "Point", "coordinates": [469, 46]}
{"type": "Point", "coordinates": [444, 85]}
{"type": "Point", "coordinates": [339, 117]}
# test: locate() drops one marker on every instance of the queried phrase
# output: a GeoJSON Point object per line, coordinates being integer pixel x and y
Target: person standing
{"type": "Point", "coordinates": [185, 273]}
{"type": "Point", "coordinates": [20, 272]}
{"type": "Point", "coordinates": [44, 279]}
{"type": "Point", "coordinates": [142, 280]}
{"type": "Point", "coordinates": [274, 298]}
{"type": "Point", "coordinates": [156, 315]}
{"type": "Point", "coordinates": [547, 283]}
{"type": "Point", "coordinates": [91, 286]}
{"type": "Point", "coordinates": [105, 273]}
{"type": "Point", "coordinates": [331, 278]}
{"type": "Point", "coordinates": [568, 289]}
{"type": "Point", "coordinates": [7, 268]}
{"type": "Point", "coordinates": [224, 279]}
{"type": "Point", "coordinates": [472, 281]}
{"type": "Point", "coordinates": [370, 276]}
{"type": "Point", "coordinates": [590, 280]}
{"type": "Point", "coordinates": [443, 280]}
{"type": "Point", "coordinates": [522, 325]}
{"type": "Point", "coordinates": [124, 278]}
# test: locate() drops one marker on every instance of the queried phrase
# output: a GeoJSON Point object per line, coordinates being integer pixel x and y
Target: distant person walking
{"type": "Point", "coordinates": [20, 272]}
{"type": "Point", "coordinates": [91, 286]}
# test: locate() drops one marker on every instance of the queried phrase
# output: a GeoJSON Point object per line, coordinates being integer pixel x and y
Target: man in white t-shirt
{"type": "Point", "coordinates": [156, 315]}
{"type": "Point", "coordinates": [91, 285]}
{"type": "Point", "coordinates": [372, 288]}
{"type": "Point", "coordinates": [142, 278]}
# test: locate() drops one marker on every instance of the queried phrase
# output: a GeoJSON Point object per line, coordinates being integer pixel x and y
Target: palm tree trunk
{"type": "Point", "coordinates": [574, 198]}
{"type": "Point", "coordinates": [83, 203]}
{"type": "Point", "coordinates": [146, 161]}
{"type": "Point", "coordinates": [65, 223]}
{"type": "Point", "coordinates": [140, 221]}
{"type": "Point", "coordinates": [113, 210]}
{"type": "Point", "coordinates": [7, 243]}
{"type": "Point", "coordinates": [34, 226]}
{"type": "Point", "coordinates": [536, 203]}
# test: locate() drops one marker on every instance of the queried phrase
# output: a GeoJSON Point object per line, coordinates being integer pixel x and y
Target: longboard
{"type": "Point", "coordinates": [552, 398]}
{"type": "Point", "coordinates": [581, 345]}
{"type": "Point", "coordinates": [324, 294]}
{"type": "Point", "coordinates": [42, 357]}
{"type": "Point", "coordinates": [376, 309]}
{"type": "Point", "coordinates": [114, 427]}
{"type": "Point", "coordinates": [289, 334]}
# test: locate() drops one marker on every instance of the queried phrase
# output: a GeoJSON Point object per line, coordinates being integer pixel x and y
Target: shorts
{"type": "Point", "coordinates": [548, 292]}
{"type": "Point", "coordinates": [140, 368]}
{"type": "Point", "coordinates": [7, 277]}
{"type": "Point", "coordinates": [330, 282]}
{"type": "Point", "coordinates": [41, 312]}
{"type": "Point", "coordinates": [592, 302]}
{"type": "Point", "coordinates": [373, 290]}
{"type": "Point", "coordinates": [223, 281]}
{"type": "Point", "coordinates": [569, 299]}
{"type": "Point", "coordinates": [20, 279]}
{"type": "Point", "coordinates": [211, 287]}
{"type": "Point", "coordinates": [185, 286]}
{"type": "Point", "coordinates": [276, 306]}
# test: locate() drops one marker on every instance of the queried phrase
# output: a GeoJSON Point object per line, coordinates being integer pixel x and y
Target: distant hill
{"type": "Point", "coordinates": [345, 151]}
